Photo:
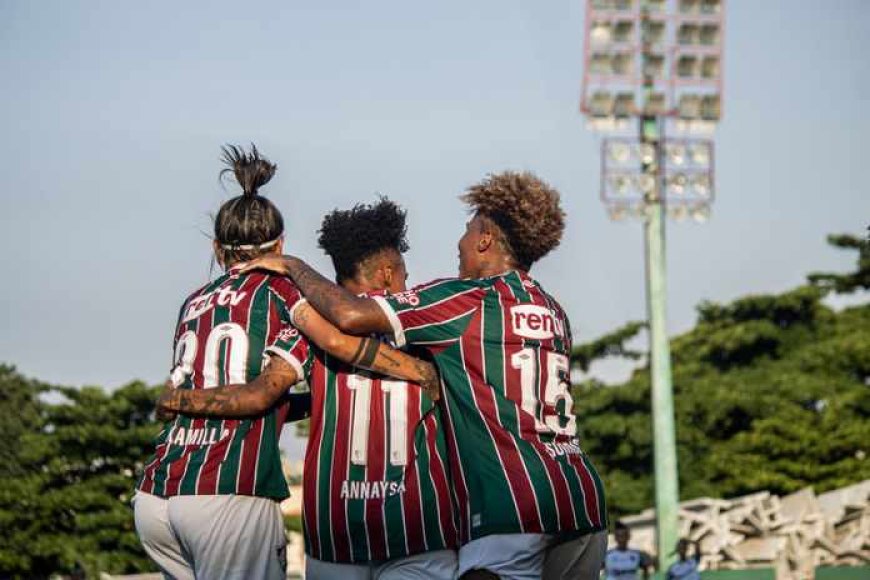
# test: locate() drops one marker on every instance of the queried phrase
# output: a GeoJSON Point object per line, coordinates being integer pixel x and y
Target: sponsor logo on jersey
{"type": "Point", "coordinates": [535, 322]}
{"type": "Point", "coordinates": [287, 333]}
{"type": "Point", "coordinates": [371, 489]}
{"type": "Point", "coordinates": [408, 297]}
{"type": "Point", "coordinates": [220, 297]}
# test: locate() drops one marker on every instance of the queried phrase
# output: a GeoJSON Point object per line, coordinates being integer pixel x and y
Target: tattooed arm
{"type": "Point", "coordinates": [368, 353]}
{"type": "Point", "coordinates": [259, 395]}
{"type": "Point", "coordinates": [234, 401]}
{"type": "Point", "coordinates": [348, 312]}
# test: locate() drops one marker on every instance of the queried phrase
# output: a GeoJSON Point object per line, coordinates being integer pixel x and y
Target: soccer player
{"type": "Point", "coordinates": [207, 503]}
{"type": "Point", "coordinates": [622, 562]}
{"type": "Point", "coordinates": [525, 489]}
{"type": "Point", "coordinates": [685, 568]}
{"type": "Point", "coordinates": [376, 500]}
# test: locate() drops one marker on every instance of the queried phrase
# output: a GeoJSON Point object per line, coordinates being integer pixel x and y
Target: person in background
{"type": "Point", "coordinates": [686, 568]}
{"type": "Point", "coordinates": [624, 563]}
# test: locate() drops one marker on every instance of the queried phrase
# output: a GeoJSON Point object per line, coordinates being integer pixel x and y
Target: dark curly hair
{"type": "Point", "coordinates": [525, 208]}
{"type": "Point", "coordinates": [351, 236]}
{"type": "Point", "coordinates": [246, 225]}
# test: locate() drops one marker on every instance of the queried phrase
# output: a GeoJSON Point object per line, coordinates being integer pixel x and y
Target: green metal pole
{"type": "Point", "coordinates": [664, 439]}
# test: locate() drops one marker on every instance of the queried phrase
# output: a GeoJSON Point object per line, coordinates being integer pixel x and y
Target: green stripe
{"type": "Point", "coordinates": [488, 490]}
{"type": "Point", "coordinates": [435, 332]}
{"type": "Point", "coordinates": [324, 523]}
{"type": "Point", "coordinates": [394, 523]}
{"type": "Point", "coordinates": [229, 469]}
{"type": "Point", "coordinates": [434, 537]}
{"type": "Point", "coordinates": [355, 517]}
{"type": "Point", "coordinates": [507, 409]}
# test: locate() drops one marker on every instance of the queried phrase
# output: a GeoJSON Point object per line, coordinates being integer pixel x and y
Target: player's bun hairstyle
{"type": "Point", "coordinates": [525, 208]}
{"type": "Point", "coordinates": [249, 224]}
{"type": "Point", "coordinates": [350, 236]}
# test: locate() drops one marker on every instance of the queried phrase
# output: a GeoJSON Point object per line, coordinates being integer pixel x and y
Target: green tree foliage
{"type": "Point", "coordinates": [65, 487]}
{"type": "Point", "coordinates": [771, 392]}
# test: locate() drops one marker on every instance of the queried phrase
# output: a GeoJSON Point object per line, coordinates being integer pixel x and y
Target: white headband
{"type": "Point", "coordinates": [246, 247]}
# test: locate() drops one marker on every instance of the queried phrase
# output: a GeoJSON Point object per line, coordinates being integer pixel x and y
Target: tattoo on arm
{"type": "Point", "coordinates": [365, 354]}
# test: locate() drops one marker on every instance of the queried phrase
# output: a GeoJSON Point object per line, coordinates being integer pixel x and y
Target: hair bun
{"type": "Point", "coordinates": [252, 171]}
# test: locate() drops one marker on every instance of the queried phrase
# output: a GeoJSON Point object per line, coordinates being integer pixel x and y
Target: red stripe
{"type": "Point", "coordinates": [246, 477]}
{"type": "Point", "coordinates": [312, 457]}
{"type": "Point", "coordinates": [412, 503]}
{"type": "Point", "coordinates": [376, 470]}
{"type": "Point", "coordinates": [558, 483]}
{"type": "Point", "coordinates": [509, 457]}
{"type": "Point", "coordinates": [590, 493]}
{"type": "Point", "coordinates": [438, 473]}
{"type": "Point", "coordinates": [338, 471]}
{"type": "Point", "coordinates": [457, 474]}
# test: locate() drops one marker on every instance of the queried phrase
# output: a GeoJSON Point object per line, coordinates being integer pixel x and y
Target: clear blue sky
{"type": "Point", "coordinates": [112, 115]}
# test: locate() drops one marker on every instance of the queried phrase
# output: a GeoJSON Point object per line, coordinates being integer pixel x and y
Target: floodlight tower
{"type": "Point", "coordinates": [652, 66]}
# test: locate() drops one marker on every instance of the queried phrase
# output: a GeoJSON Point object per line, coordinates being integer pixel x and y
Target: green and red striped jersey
{"type": "Point", "coordinates": [376, 483]}
{"type": "Point", "coordinates": [502, 346]}
{"type": "Point", "coordinates": [222, 331]}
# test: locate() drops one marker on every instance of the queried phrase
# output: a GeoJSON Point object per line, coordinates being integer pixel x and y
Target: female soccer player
{"type": "Point", "coordinates": [531, 504]}
{"type": "Point", "coordinates": [207, 503]}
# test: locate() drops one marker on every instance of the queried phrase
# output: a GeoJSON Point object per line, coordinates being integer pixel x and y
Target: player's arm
{"type": "Point", "coordinates": [348, 312]}
{"type": "Point", "coordinates": [366, 352]}
{"type": "Point", "coordinates": [646, 562]}
{"type": "Point", "coordinates": [233, 401]}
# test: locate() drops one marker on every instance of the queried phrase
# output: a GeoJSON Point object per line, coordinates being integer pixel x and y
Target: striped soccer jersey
{"type": "Point", "coordinates": [502, 346]}
{"type": "Point", "coordinates": [222, 331]}
{"type": "Point", "coordinates": [376, 481]}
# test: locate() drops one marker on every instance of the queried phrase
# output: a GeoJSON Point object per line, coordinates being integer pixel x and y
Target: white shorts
{"type": "Point", "coordinates": [535, 556]}
{"type": "Point", "coordinates": [438, 565]}
{"type": "Point", "coordinates": [212, 536]}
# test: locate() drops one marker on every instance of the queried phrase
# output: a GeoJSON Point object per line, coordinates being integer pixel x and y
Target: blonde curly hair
{"type": "Point", "coordinates": [525, 208]}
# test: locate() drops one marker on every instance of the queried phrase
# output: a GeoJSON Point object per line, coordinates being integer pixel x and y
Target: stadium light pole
{"type": "Point", "coordinates": [677, 47]}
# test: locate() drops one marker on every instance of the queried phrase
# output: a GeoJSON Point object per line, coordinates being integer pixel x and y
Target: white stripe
{"type": "Point", "coordinates": [395, 323]}
{"type": "Point", "coordinates": [290, 359]}
{"type": "Point", "coordinates": [504, 394]}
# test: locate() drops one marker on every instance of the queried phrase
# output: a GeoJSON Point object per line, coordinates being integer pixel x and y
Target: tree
{"type": "Point", "coordinates": [64, 493]}
{"type": "Point", "coordinates": [771, 392]}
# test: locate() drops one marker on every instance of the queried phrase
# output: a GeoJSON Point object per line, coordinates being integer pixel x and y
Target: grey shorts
{"type": "Point", "coordinates": [437, 565]}
{"type": "Point", "coordinates": [535, 556]}
{"type": "Point", "coordinates": [212, 536]}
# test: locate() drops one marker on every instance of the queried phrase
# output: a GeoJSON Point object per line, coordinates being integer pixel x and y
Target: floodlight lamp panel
{"type": "Point", "coordinates": [678, 212]}
{"type": "Point", "coordinates": [655, 104]}
{"type": "Point", "coordinates": [710, 108]}
{"type": "Point", "coordinates": [646, 183]}
{"type": "Point", "coordinates": [647, 153]}
{"type": "Point", "coordinates": [687, 66]}
{"type": "Point", "coordinates": [701, 185]}
{"type": "Point", "coordinates": [676, 153]}
{"type": "Point", "coordinates": [701, 213]}
{"type": "Point", "coordinates": [689, 107]}
{"type": "Point", "coordinates": [688, 6]}
{"type": "Point", "coordinates": [710, 6]}
{"type": "Point", "coordinates": [600, 34]}
{"type": "Point", "coordinates": [676, 184]}
{"type": "Point", "coordinates": [687, 34]}
{"type": "Point", "coordinates": [617, 213]}
{"type": "Point", "coordinates": [619, 152]}
{"type": "Point", "coordinates": [623, 31]}
{"type": "Point", "coordinates": [653, 31]}
{"type": "Point", "coordinates": [709, 34]}
{"type": "Point", "coordinates": [623, 105]}
{"type": "Point", "coordinates": [699, 153]}
{"type": "Point", "coordinates": [710, 67]}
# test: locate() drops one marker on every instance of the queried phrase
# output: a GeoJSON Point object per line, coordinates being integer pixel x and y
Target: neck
{"type": "Point", "coordinates": [355, 286]}
{"type": "Point", "coordinates": [497, 266]}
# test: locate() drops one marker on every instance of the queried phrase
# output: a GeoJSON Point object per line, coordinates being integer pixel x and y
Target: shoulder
{"type": "Point", "coordinates": [282, 287]}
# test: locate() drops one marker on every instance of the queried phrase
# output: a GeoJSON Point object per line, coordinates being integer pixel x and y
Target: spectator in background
{"type": "Point", "coordinates": [685, 568]}
{"type": "Point", "coordinates": [624, 563]}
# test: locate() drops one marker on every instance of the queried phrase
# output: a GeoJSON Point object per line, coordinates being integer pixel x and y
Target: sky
{"type": "Point", "coordinates": [113, 113]}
